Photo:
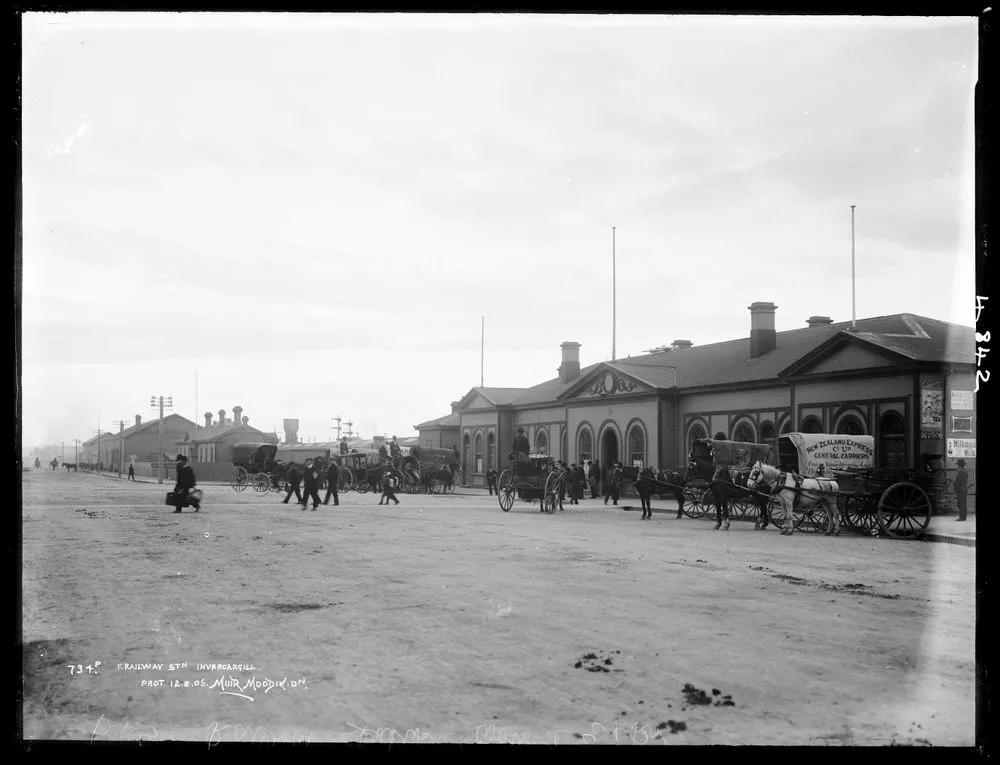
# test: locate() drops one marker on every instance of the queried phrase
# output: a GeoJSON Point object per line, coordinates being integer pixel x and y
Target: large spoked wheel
{"type": "Point", "coordinates": [810, 520]}
{"type": "Point", "coordinates": [552, 493]}
{"type": "Point", "coordinates": [740, 508]}
{"type": "Point", "coordinates": [505, 490]}
{"type": "Point", "coordinates": [261, 482]}
{"type": "Point", "coordinates": [345, 483]}
{"type": "Point", "coordinates": [859, 513]}
{"type": "Point", "coordinates": [239, 479]}
{"type": "Point", "coordinates": [363, 487]}
{"type": "Point", "coordinates": [904, 510]}
{"type": "Point", "coordinates": [693, 507]}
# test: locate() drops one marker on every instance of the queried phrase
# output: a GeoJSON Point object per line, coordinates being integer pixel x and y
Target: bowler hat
{"type": "Point", "coordinates": [961, 463]}
{"type": "Point", "coordinates": [181, 458]}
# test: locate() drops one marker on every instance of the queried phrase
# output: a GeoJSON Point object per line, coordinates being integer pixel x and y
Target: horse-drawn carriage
{"type": "Point", "coordinates": [255, 464]}
{"type": "Point", "coordinates": [529, 478]}
{"type": "Point", "coordinates": [434, 469]}
{"type": "Point", "coordinates": [823, 480]}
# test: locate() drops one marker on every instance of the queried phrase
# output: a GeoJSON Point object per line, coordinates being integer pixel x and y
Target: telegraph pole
{"type": "Point", "coordinates": [337, 426]}
{"type": "Point", "coordinates": [168, 402]}
{"type": "Point", "coordinates": [614, 295]}
{"type": "Point", "coordinates": [482, 354]}
{"type": "Point", "coordinates": [121, 445]}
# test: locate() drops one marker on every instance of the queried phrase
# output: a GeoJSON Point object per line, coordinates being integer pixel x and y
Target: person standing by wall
{"type": "Point", "coordinates": [491, 481]}
{"type": "Point", "coordinates": [961, 489]}
{"type": "Point", "coordinates": [294, 479]}
{"type": "Point", "coordinates": [310, 485]}
{"type": "Point", "coordinates": [131, 471]}
{"type": "Point", "coordinates": [613, 488]}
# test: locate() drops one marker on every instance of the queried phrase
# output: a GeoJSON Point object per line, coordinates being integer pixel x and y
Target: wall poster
{"type": "Point", "coordinates": [931, 407]}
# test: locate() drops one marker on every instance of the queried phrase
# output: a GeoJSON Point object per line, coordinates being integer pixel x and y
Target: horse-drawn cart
{"type": "Point", "coordinates": [717, 475]}
{"type": "Point", "coordinates": [530, 478]}
{"type": "Point", "coordinates": [435, 469]}
{"type": "Point", "coordinates": [829, 479]}
{"type": "Point", "coordinates": [255, 464]}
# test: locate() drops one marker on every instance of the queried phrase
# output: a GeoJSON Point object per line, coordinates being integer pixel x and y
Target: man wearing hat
{"type": "Point", "coordinates": [310, 485]}
{"type": "Point", "coordinates": [394, 451]}
{"type": "Point", "coordinates": [613, 488]}
{"type": "Point", "coordinates": [185, 485]}
{"type": "Point", "coordinates": [293, 479]}
{"type": "Point", "coordinates": [961, 489]}
{"type": "Point", "coordinates": [388, 488]}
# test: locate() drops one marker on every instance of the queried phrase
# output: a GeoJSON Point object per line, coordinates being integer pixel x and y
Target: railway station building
{"type": "Point", "coordinates": [906, 380]}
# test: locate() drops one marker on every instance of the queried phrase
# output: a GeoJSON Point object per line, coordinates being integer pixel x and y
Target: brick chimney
{"type": "Point", "coordinates": [570, 367]}
{"type": "Point", "coordinates": [454, 406]}
{"type": "Point", "coordinates": [237, 415]}
{"type": "Point", "coordinates": [245, 420]}
{"type": "Point", "coordinates": [208, 419]}
{"type": "Point", "coordinates": [138, 419]}
{"type": "Point", "coordinates": [819, 321]}
{"type": "Point", "coordinates": [222, 416]}
{"type": "Point", "coordinates": [678, 344]}
{"type": "Point", "coordinates": [763, 338]}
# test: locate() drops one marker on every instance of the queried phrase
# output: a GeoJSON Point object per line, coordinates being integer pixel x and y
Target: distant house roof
{"type": "Point", "coordinates": [131, 431]}
{"type": "Point", "coordinates": [448, 421]}
{"type": "Point", "coordinates": [905, 336]}
{"type": "Point", "coordinates": [211, 433]}
{"type": "Point", "coordinates": [102, 437]}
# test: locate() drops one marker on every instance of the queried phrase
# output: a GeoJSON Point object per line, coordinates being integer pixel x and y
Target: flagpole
{"type": "Point", "coordinates": [853, 310]}
{"type": "Point", "coordinates": [614, 296]}
{"type": "Point", "coordinates": [482, 352]}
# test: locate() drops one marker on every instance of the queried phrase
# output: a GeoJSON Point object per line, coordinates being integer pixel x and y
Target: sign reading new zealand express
{"type": "Point", "coordinates": [832, 452]}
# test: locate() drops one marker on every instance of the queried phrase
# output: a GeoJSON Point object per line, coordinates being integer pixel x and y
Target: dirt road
{"type": "Point", "coordinates": [445, 619]}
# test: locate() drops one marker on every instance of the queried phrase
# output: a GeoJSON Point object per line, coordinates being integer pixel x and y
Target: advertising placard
{"type": "Point", "coordinates": [961, 447]}
{"type": "Point", "coordinates": [931, 407]}
{"type": "Point", "coordinates": [961, 400]}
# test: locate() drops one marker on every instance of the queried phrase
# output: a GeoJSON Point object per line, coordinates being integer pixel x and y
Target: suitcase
{"type": "Point", "coordinates": [193, 498]}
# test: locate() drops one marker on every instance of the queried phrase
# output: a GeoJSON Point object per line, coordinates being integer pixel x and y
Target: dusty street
{"type": "Point", "coordinates": [445, 619]}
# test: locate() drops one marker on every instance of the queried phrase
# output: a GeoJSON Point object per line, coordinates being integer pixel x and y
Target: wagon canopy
{"type": "Point", "coordinates": [824, 453]}
{"type": "Point", "coordinates": [733, 454]}
{"type": "Point", "coordinates": [243, 453]}
{"type": "Point", "coordinates": [300, 452]}
{"type": "Point", "coordinates": [431, 456]}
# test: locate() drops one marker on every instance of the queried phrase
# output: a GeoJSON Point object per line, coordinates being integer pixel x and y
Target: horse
{"type": "Point", "coordinates": [760, 499]}
{"type": "Point", "coordinates": [795, 492]}
{"type": "Point", "coordinates": [69, 466]}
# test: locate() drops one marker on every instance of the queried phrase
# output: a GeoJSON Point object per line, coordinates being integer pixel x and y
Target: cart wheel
{"type": "Point", "coordinates": [693, 507]}
{"type": "Point", "coordinates": [904, 510]}
{"type": "Point", "coordinates": [505, 490]}
{"type": "Point", "coordinates": [362, 487]}
{"type": "Point", "coordinates": [811, 520]}
{"type": "Point", "coordinates": [858, 512]}
{"type": "Point", "coordinates": [239, 479]}
{"type": "Point", "coordinates": [550, 496]}
{"type": "Point", "coordinates": [740, 508]}
{"type": "Point", "coordinates": [345, 483]}
{"type": "Point", "coordinates": [261, 482]}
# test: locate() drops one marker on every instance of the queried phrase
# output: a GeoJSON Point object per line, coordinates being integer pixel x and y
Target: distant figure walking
{"type": "Point", "coordinates": [389, 482]}
{"type": "Point", "coordinates": [310, 485]}
{"type": "Point", "coordinates": [185, 485]}
{"type": "Point", "coordinates": [294, 479]}
{"type": "Point", "coordinates": [961, 489]}
{"type": "Point", "coordinates": [613, 489]}
{"type": "Point", "coordinates": [131, 472]}
{"type": "Point", "coordinates": [38, 464]}
{"type": "Point", "coordinates": [54, 463]}
{"type": "Point", "coordinates": [491, 481]}
{"type": "Point", "coordinates": [332, 477]}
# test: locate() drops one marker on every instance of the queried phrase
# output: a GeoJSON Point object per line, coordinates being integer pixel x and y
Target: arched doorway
{"type": "Point", "coordinates": [892, 442]}
{"type": "Point", "coordinates": [609, 448]}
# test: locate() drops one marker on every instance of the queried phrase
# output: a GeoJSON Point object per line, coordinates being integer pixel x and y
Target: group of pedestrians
{"type": "Point", "coordinates": [308, 480]}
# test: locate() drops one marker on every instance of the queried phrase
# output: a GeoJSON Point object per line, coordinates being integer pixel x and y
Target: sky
{"type": "Point", "coordinates": [312, 216]}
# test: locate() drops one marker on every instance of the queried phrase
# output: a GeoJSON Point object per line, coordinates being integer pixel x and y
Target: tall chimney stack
{"type": "Point", "coordinates": [763, 338]}
{"type": "Point", "coordinates": [138, 419]}
{"type": "Point", "coordinates": [237, 415]}
{"type": "Point", "coordinates": [222, 416]}
{"type": "Point", "coordinates": [569, 369]}
{"type": "Point", "coordinates": [208, 419]}
{"type": "Point", "coordinates": [245, 420]}
{"type": "Point", "coordinates": [291, 431]}
{"type": "Point", "coordinates": [819, 321]}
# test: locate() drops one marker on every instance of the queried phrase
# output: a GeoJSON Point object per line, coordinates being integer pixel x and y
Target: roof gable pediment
{"type": "Point", "coordinates": [603, 381]}
{"type": "Point", "coordinates": [845, 352]}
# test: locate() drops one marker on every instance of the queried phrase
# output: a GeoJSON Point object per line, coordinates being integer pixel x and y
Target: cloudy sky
{"type": "Point", "coordinates": [311, 214]}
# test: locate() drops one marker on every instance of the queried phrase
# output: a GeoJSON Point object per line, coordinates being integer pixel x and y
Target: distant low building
{"type": "Point", "coordinates": [209, 449]}
{"type": "Point", "coordinates": [442, 433]}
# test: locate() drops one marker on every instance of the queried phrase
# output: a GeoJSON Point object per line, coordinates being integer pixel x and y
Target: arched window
{"type": "Point", "coordinates": [850, 426]}
{"type": "Point", "coordinates": [696, 431]}
{"type": "Point", "coordinates": [812, 424]}
{"type": "Point", "coordinates": [491, 450]}
{"type": "Point", "coordinates": [541, 441]}
{"type": "Point", "coordinates": [892, 442]}
{"type": "Point", "coordinates": [744, 433]}
{"type": "Point", "coordinates": [769, 437]}
{"type": "Point", "coordinates": [720, 436]}
{"type": "Point", "coordinates": [637, 446]}
{"type": "Point", "coordinates": [786, 426]}
{"type": "Point", "coordinates": [479, 453]}
{"type": "Point", "coordinates": [466, 457]}
{"type": "Point", "coordinates": [585, 448]}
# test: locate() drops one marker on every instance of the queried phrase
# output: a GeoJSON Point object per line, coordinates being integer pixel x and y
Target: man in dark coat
{"type": "Point", "coordinates": [579, 479]}
{"type": "Point", "coordinates": [294, 479]}
{"type": "Point", "coordinates": [521, 443]}
{"type": "Point", "coordinates": [343, 445]}
{"type": "Point", "coordinates": [613, 489]}
{"type": "Point", "coordinates": [643, 487]}
{"type": "Point", "coordinates": [332, 478]}
{"type": "Point", "coordinates": [961, 489]}
{"type": "Point", "coordinates": [383, 454]}
{"type": "Point", "coordinates": [185, 485]}
{"type": "Point", "coordinates": [131, 472]}
{"type": "Point", "coordinates": [491, 481]}
{"type": "Point", "coordinates": [388, 488]}
{"type": "Point", "coordinates": [394, 451]}
{"type": "Point", "coordinates": [310, 485]}
{"type": "Point", "coordinates": [593, 478]}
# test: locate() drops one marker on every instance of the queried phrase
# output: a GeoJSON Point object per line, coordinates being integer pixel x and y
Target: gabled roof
{"type": "Point", "coordinates": [103, 437]}
{"type": "Point", "coordinates": [215, 432]}
{"type": "Point", "coordinates": [496, 396]}
{"type": "Point", "coordinates": [448, 421]}
{"type": "Point", "coordinates": [131, 431]}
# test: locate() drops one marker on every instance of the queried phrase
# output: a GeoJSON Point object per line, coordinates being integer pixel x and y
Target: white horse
{"type": "Point", "coordinates": [795, 492]}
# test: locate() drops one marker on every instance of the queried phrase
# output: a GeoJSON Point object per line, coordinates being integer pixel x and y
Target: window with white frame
{"type": "Point", "coordinates": [637, 446]}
